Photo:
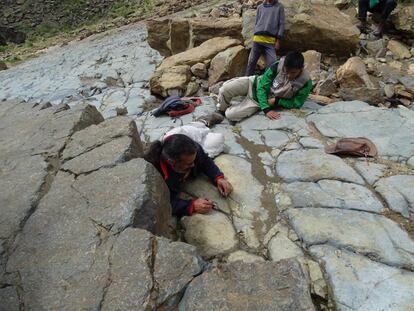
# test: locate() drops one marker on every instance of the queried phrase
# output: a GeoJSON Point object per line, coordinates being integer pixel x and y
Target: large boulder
{"type": "Point", "coordinates": [179, 36]}
{"type": "Point", "coordinates": [228, 64]}
{"type": "Point", "coordinates": [313, 64]}
{"type": "Point", "coordinates": [353, 74]}
{"type": "Point", "coordinates": [403, 19]}
{"type": "Point", "coordinates": [199, 54]}
{"type": "Point", "coordinates": [255, 286]}
{"type": "Point", "coordinates": [159, 35]}
{"type": "Point", "coordinates": [172, 79]}
{"type": "Point", "coordinates": [171, 36]}
{"type": "Point", "coordinates": [203, 29]}
{"type": "Point", "coordinates": [312, 27]}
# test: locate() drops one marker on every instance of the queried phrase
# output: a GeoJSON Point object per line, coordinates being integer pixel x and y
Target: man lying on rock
{"type": "Point", "coordinates": [285, 84]}
{"type": "Point", "coordinates": [178, 158]}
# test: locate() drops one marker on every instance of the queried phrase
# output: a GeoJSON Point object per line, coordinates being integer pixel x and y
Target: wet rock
{"type": "Point", "coordinates": [244, 257]}
{"type": "Point", "coordinates": [397, 192]}
{"type": "Point", "coordinates": [403, 19]}
{"type": "Point", "coordinates": [372, 235]}
{"type": "Point", "coordinates": [212, 234]}
{"type": "Point", "coordinates": [380, 282]}
{"type": "Point", "coordinates": [165, 81]}
{"type": "Point", "coordinates": [199, 70]}
{"type": "Point", "coordinates": [399, 50]}
{"type": "Point", "coordinates": [314, 165]}
{"type": "Point", "coordinates": [313, 64]}
{"type": "Point", "coordinates": [358, 119]}
{"type": "Point", "coordinates": [256, 286]}
{"type": "Point", "coordinates": [228, 64]}
{"type": "Point", "coordinates": [205, 51]}
{"type": "Point", "coordinates": [353, 74]}
{"type": "Point", "coordinates": [333, 194]}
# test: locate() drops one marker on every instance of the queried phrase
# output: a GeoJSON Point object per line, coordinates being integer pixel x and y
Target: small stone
{"type": "Point", "coordinates": [389, 90]}
{"type": "Point", "coordinates": [405, 102]}
{"type": "Point", "coordinates": [199, 70]}
{"type": "Point", "coordinates": [396, 65]}
{"type": "Point", "coordinates": [399, 50]}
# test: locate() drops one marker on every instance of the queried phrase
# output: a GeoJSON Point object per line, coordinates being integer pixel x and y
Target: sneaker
{"type": "Point", "coordinates": [211, 119]}
{"type": "Point", "coordinates": [379, 30]}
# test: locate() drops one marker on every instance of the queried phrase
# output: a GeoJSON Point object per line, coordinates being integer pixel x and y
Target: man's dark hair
{"type": "Point", "coordinates": [294, 60]}
{"type": "Point", "coordinates": [173, 147]}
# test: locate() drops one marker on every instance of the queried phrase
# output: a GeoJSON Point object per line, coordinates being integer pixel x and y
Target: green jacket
{"type": "Point", "coordinates": [261, 91]}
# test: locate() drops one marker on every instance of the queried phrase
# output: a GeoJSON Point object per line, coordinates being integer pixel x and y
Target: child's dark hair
{"type": "Point", "coordinates": [173, 147]}
{"type": "Point", "coordinates": [294, 60]}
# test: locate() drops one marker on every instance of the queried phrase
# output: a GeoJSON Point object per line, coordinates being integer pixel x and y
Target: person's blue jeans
{"type": "Point", "coordinates": [258, 49]}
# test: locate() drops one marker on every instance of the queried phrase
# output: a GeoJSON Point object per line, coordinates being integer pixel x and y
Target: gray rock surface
{"type": "Point", "coordinates": [370, 171]}
{"type": "Point", "coordinates": [314, 165]}
{"type": "Point", "coordinates": [372, 235]}
{"type": "Point", "coordinates": [333, 194]}
{"type": "Point", "coordinates": [255, 286]}
{"type": "Point", "coordinates": [358, 119]}
{"type": "Point", "coordinates": [109, 70]}
{"type": "Point", "coordinates": [360, 284]}
{"type": "Point", "coordinates": [398, 193]}
{"type": "Point", "coordinates": [212, 233]}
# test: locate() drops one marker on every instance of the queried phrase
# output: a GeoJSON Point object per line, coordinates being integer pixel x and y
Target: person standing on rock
{"type": "Point", "coordinates": [268, 31]}
{"type": "Point", "coordinates": [383, 7]}
{"type": "Point", "coordinates": [285, 84]}
{"type": "Point", "coordinates": [178, 158]}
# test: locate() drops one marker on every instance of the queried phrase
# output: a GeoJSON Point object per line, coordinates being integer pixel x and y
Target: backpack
{"type": "Point", "coordinates": [358, 146]}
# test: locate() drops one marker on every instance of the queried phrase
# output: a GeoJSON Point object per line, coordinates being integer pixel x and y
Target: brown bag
{"type": "Point", "coordinates": [359, 146]}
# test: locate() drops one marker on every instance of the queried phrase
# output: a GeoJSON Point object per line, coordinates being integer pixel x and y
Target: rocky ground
{"type": "Point", "coordinates": [85, 221]}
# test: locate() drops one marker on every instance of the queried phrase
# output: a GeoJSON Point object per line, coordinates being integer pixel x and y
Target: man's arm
{"type": "Point", "coordinates": [264, 87]}
{"type": "Point", "coordinates": [182, 207]}
{"type": "Point", "coordinates": [297, 101]}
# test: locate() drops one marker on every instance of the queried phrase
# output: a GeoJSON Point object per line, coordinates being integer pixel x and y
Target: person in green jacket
{"type": "Point", "coordinates": [285, 84]}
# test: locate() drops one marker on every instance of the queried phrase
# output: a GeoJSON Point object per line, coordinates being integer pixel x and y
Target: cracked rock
{"type": "Point", "coordinates": [358, 283]}
{"type": "Point", "coordinates": [375, 236]}
{"type": "Point", "coordinates": [254, 286]}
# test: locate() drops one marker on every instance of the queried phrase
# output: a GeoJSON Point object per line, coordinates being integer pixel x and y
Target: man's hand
{"type": "Point", "coordinates": [202, 206]}
{"type": "Point", "coordinates": [273, 115]}
{"type": "Point", "coordinates": [277, 45]}
{"type": "Point", "coordinates": [224, 187]}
